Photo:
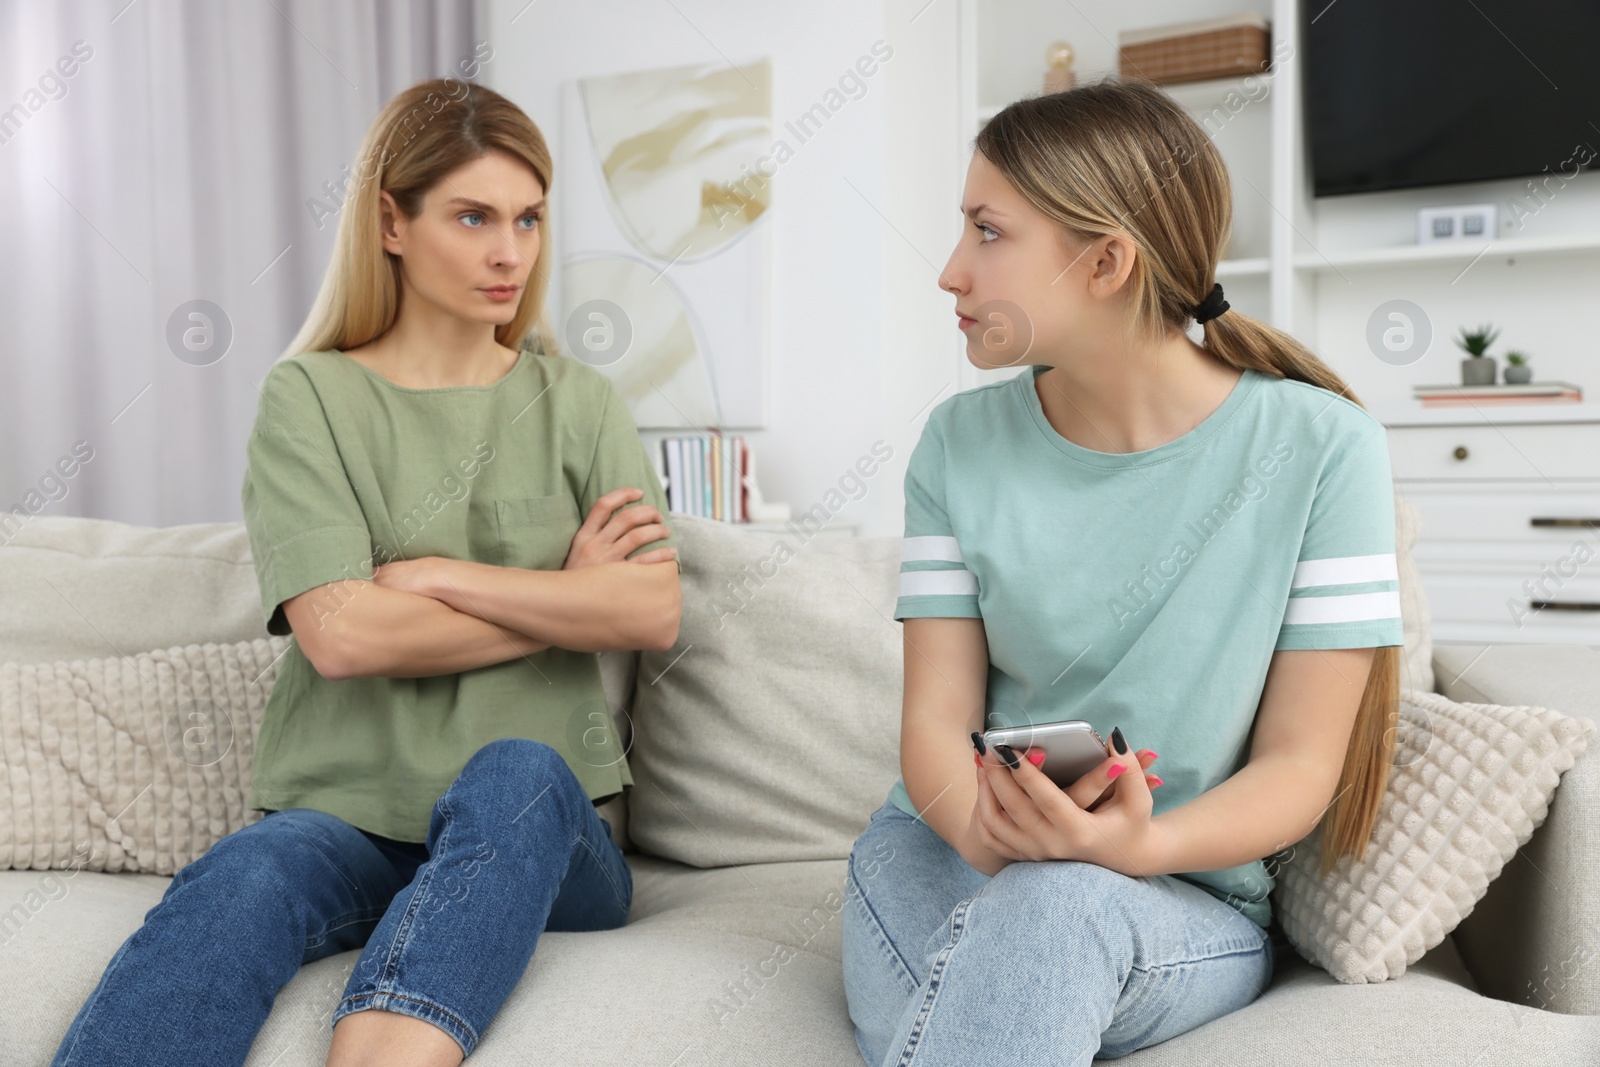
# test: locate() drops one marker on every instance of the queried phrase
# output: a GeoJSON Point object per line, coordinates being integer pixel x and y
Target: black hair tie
{"type": "Point", "coordinates": [1212, 306]}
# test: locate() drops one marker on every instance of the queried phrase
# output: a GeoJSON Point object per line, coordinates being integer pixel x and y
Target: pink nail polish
{"type": "Point", "coordinates": [1154, 781]}
{"type": "Point", "coordinates": [1115, 770]}
{"type": "Point", "coordinates": [1036, 758]}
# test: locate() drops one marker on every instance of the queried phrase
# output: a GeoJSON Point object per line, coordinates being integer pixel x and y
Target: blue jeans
{"type": "Point", "coordinates": [1052, 962]}
{"type": "Point", "coordinates": [514, 848]}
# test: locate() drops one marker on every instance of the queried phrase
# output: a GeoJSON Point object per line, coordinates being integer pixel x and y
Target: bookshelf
{"type": "Point", "coordinates": [703, 472]}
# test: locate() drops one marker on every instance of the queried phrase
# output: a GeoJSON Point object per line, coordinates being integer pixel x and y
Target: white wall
{"type": "Point", "coordinates": [926, 152]}
{"type": "Point", "coordinates": [836, 373]}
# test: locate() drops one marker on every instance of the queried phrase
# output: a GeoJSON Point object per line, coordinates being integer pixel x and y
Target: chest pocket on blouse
{"type": "Point", "coordinates": [536, 531]}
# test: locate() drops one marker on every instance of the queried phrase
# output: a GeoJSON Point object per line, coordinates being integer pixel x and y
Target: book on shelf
{"type": "Point", "coordinates": [705, 474]}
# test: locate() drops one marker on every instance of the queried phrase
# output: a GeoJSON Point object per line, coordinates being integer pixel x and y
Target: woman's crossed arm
{"type": "Point", "coordinates": [430, 616]}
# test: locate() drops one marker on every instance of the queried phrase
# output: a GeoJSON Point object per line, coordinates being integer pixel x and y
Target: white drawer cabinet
{"type": "Point", "coordinates": [1510, 505]}
{"type": "Point", "coordinates": [1513, 452]}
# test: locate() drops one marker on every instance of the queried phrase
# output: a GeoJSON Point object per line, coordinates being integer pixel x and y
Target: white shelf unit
{"type": "Point", "coordinates": [1451, 251]}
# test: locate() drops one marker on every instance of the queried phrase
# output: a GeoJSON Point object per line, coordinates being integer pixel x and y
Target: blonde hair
{"type": "Point", "coordinates": [422, 134]}
{"type": "Point", "coordinates": [1121, 157]}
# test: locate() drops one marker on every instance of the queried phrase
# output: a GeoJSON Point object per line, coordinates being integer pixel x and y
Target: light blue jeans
{"type": "Point", "coordinates": [514, 848]}
{"type": "Point", "coordinates": [1052, 962]}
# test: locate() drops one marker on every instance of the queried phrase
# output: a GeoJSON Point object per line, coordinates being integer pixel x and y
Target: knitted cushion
{"type": "Point", "coordinates": [1469, 785]}
{"type": "Point", "coordinates": [136, 763]}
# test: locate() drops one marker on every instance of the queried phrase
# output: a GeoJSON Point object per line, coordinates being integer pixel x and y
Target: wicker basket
{"type": "Point", "coordinates": [1193, 51]}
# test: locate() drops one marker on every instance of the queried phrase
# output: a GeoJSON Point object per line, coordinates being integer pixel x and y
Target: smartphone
{"type": "Point", "coordinates": [1071, 748]}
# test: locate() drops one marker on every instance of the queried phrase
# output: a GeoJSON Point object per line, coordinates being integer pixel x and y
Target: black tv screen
{"type": "Point", "coordinates": [1433, 92]}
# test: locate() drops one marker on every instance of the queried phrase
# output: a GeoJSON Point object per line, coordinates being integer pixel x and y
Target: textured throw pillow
{"type": "Point", "coordinates": [1469, 785]}
{"type": "Point", "coordinates": [771, 730]}
{"type": "Point", "coordinates": [135, 763]}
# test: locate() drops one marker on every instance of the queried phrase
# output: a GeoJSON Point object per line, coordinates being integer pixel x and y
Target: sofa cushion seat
{"type": "Point", "coordinates": [1430, 1016]}
{"type": "Point", "coordinates": [699, 977]}
{"type": "Point", "coordinates": [663, 986]}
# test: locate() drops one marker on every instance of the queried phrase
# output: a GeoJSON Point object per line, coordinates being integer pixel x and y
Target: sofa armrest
{"type": "Point", "coordinates": [1534, 939]}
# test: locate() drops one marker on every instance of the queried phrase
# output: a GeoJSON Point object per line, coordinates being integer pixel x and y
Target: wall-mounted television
{"type": "Point", "coordinates": [1434, 92]}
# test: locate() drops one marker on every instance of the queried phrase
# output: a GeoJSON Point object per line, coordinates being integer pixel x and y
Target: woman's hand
{"type": "Point", "coordinates": [1102, 818]}
{"type": "Point", "coordinates": [612, 531]}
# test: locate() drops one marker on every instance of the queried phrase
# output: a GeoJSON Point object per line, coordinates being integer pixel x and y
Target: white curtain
{"type": "Point", "coordinates": [179, 161]}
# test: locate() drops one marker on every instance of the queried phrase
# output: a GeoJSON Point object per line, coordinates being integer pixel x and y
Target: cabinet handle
{"type": "Point", "coordinates": [1460, 452]}
{"type": "Point", "coordinates": [1563, 522]}
{"type": "Point", "coordinates": [1565, 605]}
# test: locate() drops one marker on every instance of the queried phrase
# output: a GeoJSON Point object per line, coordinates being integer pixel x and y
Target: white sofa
{"type": "Point", "coordinates": [687, 981]}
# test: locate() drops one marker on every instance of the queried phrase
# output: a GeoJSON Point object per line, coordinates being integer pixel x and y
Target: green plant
{"type": "Point", "coordinates": [1516, 358]}
{"type": "Point", "coordinates": [1476, 342]}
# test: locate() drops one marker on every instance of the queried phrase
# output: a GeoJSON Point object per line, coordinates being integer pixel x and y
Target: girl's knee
{"type": "Point", "coordinates": [1077, 879]}
{"type": "Point", "coordinates": [1063, 895]}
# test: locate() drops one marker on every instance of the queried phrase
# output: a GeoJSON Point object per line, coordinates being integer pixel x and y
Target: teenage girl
{"type": "Point", "coordinates": [437, 736]}
{"type": "Point", "coordinates": [1191, 546]}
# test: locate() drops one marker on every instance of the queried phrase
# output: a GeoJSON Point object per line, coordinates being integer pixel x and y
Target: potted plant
{"type": "Point", "coordinates": [1479, 369]}
{"type": "Point", "coordinates": [1518, 372]}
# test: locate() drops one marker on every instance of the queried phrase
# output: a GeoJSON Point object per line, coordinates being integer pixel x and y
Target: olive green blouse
{"type": "Point", "coordinates": [347, 469]}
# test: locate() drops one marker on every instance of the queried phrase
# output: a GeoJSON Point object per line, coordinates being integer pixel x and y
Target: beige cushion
{"type": "Point", "coordinates": [617, 671]}
{"type": "Point", "coordinates": [74, 588]}
{"type": "Point", "coordinates": [1470, 784]}
{"type": "Point", "coordinates": [1416, 666]}
{"type": "Point", "coordinates": [136, 763]}
{"type": "Point", "coordinates": [770, 731]}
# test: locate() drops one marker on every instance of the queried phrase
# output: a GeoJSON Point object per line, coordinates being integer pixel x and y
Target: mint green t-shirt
{"type": "Point", "coordinates": [1149, 590]}
{"type": "Point", "coordinates": [347, 469]}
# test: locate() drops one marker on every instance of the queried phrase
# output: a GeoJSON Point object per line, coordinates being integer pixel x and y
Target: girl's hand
{"type": "Point", "coordinates": [1145, 758]}
{"type": "Point", "coordinates": [1094, 787]}
{"type": "Point", "coordinates": [1021, 814]}
{"type": "Point", "coordinates": [425, 575]}
{"type": "Point", "coordinates": [612, 531]}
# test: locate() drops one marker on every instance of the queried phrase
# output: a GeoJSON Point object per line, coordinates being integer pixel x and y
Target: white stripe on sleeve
{"type": "Point", "coordinates": [939, 548]}
{"type": "Point", "coordinates": [938, 583]}
{"type": "Point", "coordinates": [1343, 570]}
{"type": "Point", "coordinates": [1355, 607]}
